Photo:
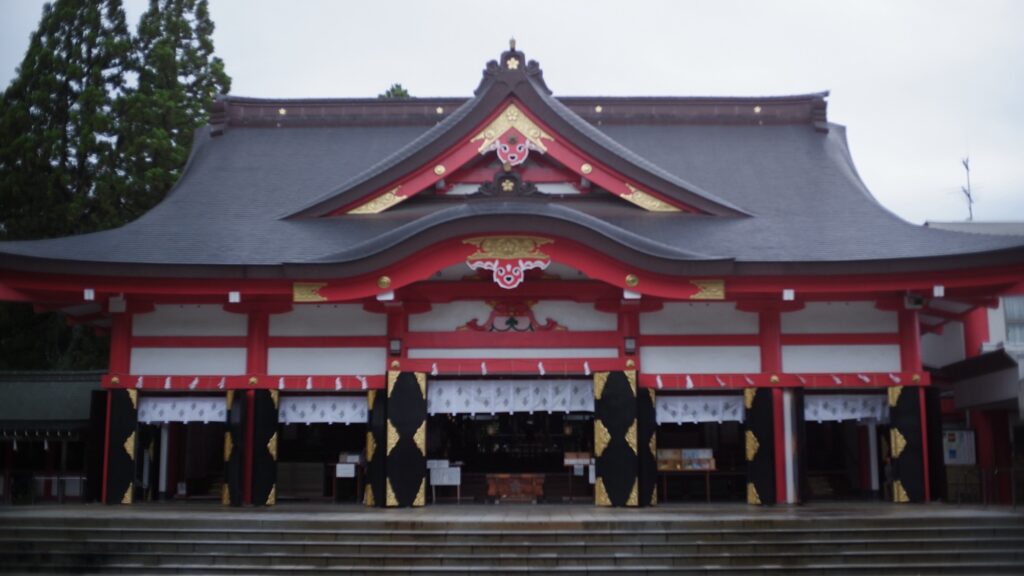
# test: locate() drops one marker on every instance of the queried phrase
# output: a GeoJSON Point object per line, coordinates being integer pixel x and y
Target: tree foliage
{"type": "Point", "coordinates": [94, 130]}
{"type": "Point", "coordinates": [395, 91]}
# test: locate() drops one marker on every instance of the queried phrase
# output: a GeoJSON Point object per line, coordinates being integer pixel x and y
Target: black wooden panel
{"type": "Point", "coordinates": [406, 440]}
{"type": "Point", "coordinates": [936, 462]}
{"type": "Point", "coordinates": [800, 433]}
{"type": "Point", "coordinates": [122, 423]}
{"type": "Point", "coordinates": [615, 437]}
{"type": "Point", "coordinates": [234, 449]}
{"type": "Point", "coordinates": [376, 444]}
{"type": "Point", "coordinates": [264, 448]}
{"type": "Point", "coordinates": [905, 443]}
{"type": "Point", "coordinates": [760, 445]}
{"type": "Point", "coordinates": [647, 427]}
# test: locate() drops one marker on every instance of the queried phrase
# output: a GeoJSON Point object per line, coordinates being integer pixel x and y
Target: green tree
{"type": "Point", "coordinates": [178, 79]}
{"type": "Point", "coordinates": [396, 91]}
{"type": "Point", "coordinates": [58, 127]}
{"type": "Point", "coordinates": [58, 122]}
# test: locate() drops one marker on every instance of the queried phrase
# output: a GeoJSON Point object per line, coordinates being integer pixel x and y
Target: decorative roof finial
{"type": "Point", "coordinates": [512, 44]}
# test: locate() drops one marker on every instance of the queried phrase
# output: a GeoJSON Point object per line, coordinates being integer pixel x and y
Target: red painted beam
{"type": "Point", "coordinates": [215, 383]}
{"type": "Point", "coordinates": [474, 339]}
{"type": "Point", "coordinates": [836, 381]}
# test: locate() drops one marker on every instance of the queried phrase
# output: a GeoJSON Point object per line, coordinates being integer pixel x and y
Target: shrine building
{"type": "Point", "coordinates": [518, 296]}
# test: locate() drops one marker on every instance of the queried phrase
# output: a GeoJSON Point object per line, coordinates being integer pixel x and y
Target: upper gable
{"type": "Point", "coordinates": [510, 138]}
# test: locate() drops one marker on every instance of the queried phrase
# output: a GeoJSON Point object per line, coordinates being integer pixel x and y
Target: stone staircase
{"type": "Point", "coordinates": [516, 540]}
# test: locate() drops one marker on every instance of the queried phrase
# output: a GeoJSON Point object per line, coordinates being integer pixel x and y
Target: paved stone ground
{"type": "Point", "coordinates": [453, 513]}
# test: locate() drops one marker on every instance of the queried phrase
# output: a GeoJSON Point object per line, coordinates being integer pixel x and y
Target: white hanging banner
{"type": "Point", "coordinates": [508, 396]}
{"type": "Point", "coordinates": [160, 409]}
{"type": "Point", "coordinates": [322, 409]}
{"type": "Point", "coordinates": [837, 407]}
{"type": "Point", "coordinates": [690, 408]}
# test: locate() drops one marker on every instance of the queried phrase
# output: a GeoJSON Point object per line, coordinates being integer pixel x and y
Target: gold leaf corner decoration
{"type": "Point", "coordinates": [229, 399]}
{"type": "Point", "coordinates": [229, 445]}
{"type": "Point", "coordinates": [307, 292]}
{"type": "Point", "coordinates": [748, 397]}
{"type": "Point", "coordinates": [420, 438]}
{"type": "Point", "coordinates": [507, 248]}
{"type": "Point", "coordinates": [601, 494]}
{"type": "Point", "coordinates": [421, 495]}
{"type": "Point", "coordinates": [631, 377]}
{"type": "Point", "coordinates": [380, 203]}
{"type": "Point", "coordinates": [752, 496]}
{"type": "Point", "coordinates": [133, 395]}
{"type": "Point", "coordinates": [371, 446]}
{"type": "Point", "coordinates": [601, 438]}
{"type": "Point", "coordinates": [646, 201]}
{"type": "Point", "coordinates": [225, 494]}
{"type": "Point", "coordinates": [650, 392]}
{"type": "Point", "coordinates": [708, 290]}
{"type": "Point", "coordinates": [275, 397]}
{"type": "Point", "coordinates": [634, 495]}
{"type": "Point", "coordinates": [897, 441]}
{"type": "Point", "coordinates": [272, 446]}
{"type": "Point", "coordinates": [272, 497]}
{"type": "Point", "coordinates": [512, 117]}
{"type": "Point", "coordinates": [894, 395]}
{"type": "Point", "coordinates": [129, 494]}
{"type": "Point", "coordinates": [631, 436]}
{"type": "Point", "coordinates": [389, 498]}
{"type": "Point", "coordinates": [392, 437]}
{"type": "Point", "coordinates": [752, 445]}
{"type": "Point", "coordinates": [654, 495]}
{"type": "Point", "coordinates": [129, 445]}
{"type": "Point", "coordinates": [600, 379]}
{"type": "Point", "coordinates": [421, 380]}
{"type": "Point", "coordinates": [392, 378]}
{"type": "Point", "coordinates": [653, 445]}
{"type": "Point", "coordinates": [371, 397]}
{"type": "Point", "coordinates": [899, 493]}
{"type": "Point", "coordinates": [368, 496]}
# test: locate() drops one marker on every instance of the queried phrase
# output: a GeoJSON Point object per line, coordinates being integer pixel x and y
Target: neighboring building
{"type": "Point", "coordinates": [656, 297]}
{"type": "Point", "coordinates": [978, 355]}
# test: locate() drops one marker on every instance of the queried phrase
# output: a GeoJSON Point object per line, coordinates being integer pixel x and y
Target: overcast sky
{"type": "Point", "coordinates": [919, 84]}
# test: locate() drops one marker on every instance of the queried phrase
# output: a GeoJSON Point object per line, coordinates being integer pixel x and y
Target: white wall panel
{"type": "Point", "coordinates": [698, 318]}
{"type": "Point", "coordinates": [575, 315]}
{"type": "Point", "coordinates": [700, 359]}
{"type": "Point", "coordinates": [839, 318]}
{"type": "Point", "coordinates": [448, 317]}
{"type": "Point", "coordinates": [326, 361]}
{"type": "Point", "coordinates": [328, 320]}
{"type": "Point", "coordinates": [189, 320]}
{"type": "Point", "coordinates": [188, 361]}
{"type": "Point", "coordinates": [938, 350]}
{"type": "Point", "coordinates": [506, 353]}
{"type": "Point", "coordinates": [841, 358]}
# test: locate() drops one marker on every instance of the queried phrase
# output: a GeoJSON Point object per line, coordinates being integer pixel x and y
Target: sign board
{"type": "Point", "coordinates": [344, 470]}
{"type": "Point", "coordinates": [958, 447]}
{"type": "Point", "coordinates": [446, 476]}
{"type": "Point", "coordinates": [350, 457]}
{"type": "Point", "coordinates": [431, 464]}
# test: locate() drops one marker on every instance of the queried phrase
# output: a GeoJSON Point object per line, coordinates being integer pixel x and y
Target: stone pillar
{"type": "Point", "coordinates": [760, 445]}
{"type": "Point", "coordinates": [264, 447]}
{"type": "Point", "coordinates": [616, 439]}
{"type": "Point", "coordinates": [906, 444]}
{"type": "Point", "coordinates": [234, 450]}
{"type": "Point", "coordinates": [122, 435]}
{"type": "Point", "coordinates": [406, 451]}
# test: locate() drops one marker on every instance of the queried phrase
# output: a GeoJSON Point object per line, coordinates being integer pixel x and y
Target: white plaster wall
{"type": "Point", "coordinates": [938, 350]}
{"type": "Point", "coordinates": [700, 359]}
{"type": "Point", "coordinates": [328, 320]}
{"type": "Point", "coordinates": [996, 324]}
{"type": "Point", "coordinates": [189, 320]}
{"type": "Point", "coordinates": [698, 318]}
{"type": "Point", "coordinates": [839, 318]}
{"type": "Point", "coordinates": [448, 317]}
{"type": "Point", "coordinates": [507, 353]}
{"type": "Point", "coordinates": [188, 361]}
{"type": "Point", "coordinates": [841, 358]}
{"type": "Point", "coordinates": [575, 315]}
{"type": "Point", "coordinates": [327, 361]}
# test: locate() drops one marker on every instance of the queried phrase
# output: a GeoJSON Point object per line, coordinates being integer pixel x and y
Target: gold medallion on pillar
{"type": "Point", "coordinates": [752, 496]}
{"type": "Point", "coordinates": [899, 493]}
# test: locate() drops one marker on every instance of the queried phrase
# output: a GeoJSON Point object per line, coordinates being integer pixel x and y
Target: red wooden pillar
{"type": "Point", "coordinates": [120, 363]}
{"type": "Point", "coordinates": [256, 366]}
{"type": "Point", "coordinates": [910, 361]}
{"type": "Point", "coordinates": [770, 330]}
{"type": "Point", "coordinates": [992, 447]}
